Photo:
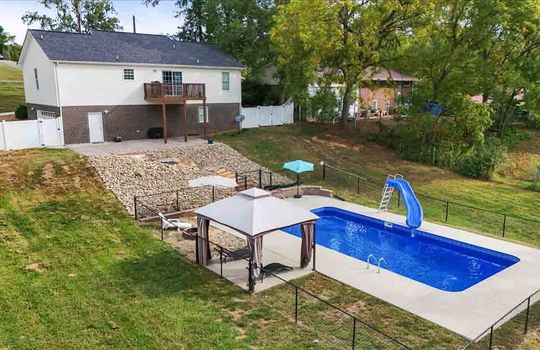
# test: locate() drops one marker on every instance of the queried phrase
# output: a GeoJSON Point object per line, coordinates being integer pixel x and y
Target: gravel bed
{"type": "Point", "coordinates": [157, 171]}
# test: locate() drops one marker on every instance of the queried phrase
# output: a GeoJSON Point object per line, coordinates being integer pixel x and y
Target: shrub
{"type": "Point", "coordinates": [325, 105]}
{"type": "Point", "coordinates": [21, 112]}
{"type": "Point", "coordinates": [483, 160]}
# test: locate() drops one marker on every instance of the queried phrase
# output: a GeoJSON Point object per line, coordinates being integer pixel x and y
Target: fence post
{"type": "Point", "coordinates": [296, 304]}
{"type": "Point", "coordinates": [358, 185]}
{"type": "Point", "coordinates": [161, 224]}
{"type": "Point", "coordinates": [446, 215]}
{"type": "Point", "coordinates": [353, 332]}
{"type": "Point", "coordinates": [213, 194]}
{"type": "Point", "coordinates": [236, 177]}
{"type": "Point", "coordinates": [250, 276]}
{"type": "Point", "coordinates": [197, 247]}
{"type": "Point", "coordinates": [245, 182]}
{"type": "Point", "coordinates": [324, 172]}
{"type": "Point", "coordinates": [398, 199]}
{"type": "Point", "coordinates": [260, 178]}
{"type": "Point", "coordinates": [135, 207]}
{"type": "Point", "coordinates": [177, 202]}
{"type": "Point", "coordinates": [504, 225]}
{"type": "Point", "coordinates": [221, 261]}
{"type": "Point", "coordinates": [527, 315]}
{"type": "Point", "coordinates": [490, 338]}
{"type": "Point", "coordinates": [271, 178]}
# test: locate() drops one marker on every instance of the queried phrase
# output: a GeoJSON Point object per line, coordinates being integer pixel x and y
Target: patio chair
{"type": "Point", "coordinates": [167, 224]}
{"type": "Point", "coordinates": [242, 253]}
{"type": "Point", "coordinates": [273, 269]}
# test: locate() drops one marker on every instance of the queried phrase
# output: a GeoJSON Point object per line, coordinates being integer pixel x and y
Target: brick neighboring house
{"type": "Point", "coordinates": [383, 92]}
{"type": "Point", "coordinates": [105, 84]}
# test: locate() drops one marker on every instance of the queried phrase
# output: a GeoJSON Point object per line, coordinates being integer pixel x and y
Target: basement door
{"type": "Point", "coordinates": [95, 127]}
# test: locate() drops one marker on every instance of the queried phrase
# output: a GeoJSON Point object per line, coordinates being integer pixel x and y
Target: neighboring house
{"type": "Point", "coordinates": [384, 91]}
{"type": "Point", "coordinates": [107, 84]}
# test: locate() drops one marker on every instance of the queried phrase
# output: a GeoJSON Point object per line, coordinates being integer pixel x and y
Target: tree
{"type": "Point", "coordinates": [8, 47]}
{"type": "Point", "coordinates": [240, 27]}
{"type": "Point", "coordinates": [442, 52]}
{"type": "Point", "coordinates": [336, 40]}
{"type": "Point", "coordinates": [76, 15]}
{"type": "Point", "coordinates": [510, 62]}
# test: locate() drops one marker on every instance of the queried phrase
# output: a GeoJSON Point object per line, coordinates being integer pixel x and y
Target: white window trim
{"type": "Point", "coordinates": [124, 74]}
{"type": "Point", "coordinates": [228, 81]}
{"type": "Point", "coordinates": [36, 78]}
{"type": "Point", "coordinates": [374, 104]}
{"type": "Point", "coordinates": [200, 119]}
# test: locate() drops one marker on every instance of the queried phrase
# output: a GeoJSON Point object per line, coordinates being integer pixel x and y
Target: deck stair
{"type": "Point", "coordinates": [387, 192]}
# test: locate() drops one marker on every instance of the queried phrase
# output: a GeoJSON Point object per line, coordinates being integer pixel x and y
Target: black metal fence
{"type": "Point", "coordinates": [265, 179]}
{"type": "Point", "coordinates": [515, 323]}
{"type": "Point", "coordinates": [332, 326]}
{"type": "Point", "coordinates": [441, 210]}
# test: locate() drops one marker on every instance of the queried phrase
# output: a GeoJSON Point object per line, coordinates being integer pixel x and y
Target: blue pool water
{"type": "Point", "coordinates": [437, 261]}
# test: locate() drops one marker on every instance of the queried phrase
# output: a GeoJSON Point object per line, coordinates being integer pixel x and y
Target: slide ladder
{"type": "Point", "coordinates": [415, 214]}
{"type": "Point", "coordinates": [387, 192]}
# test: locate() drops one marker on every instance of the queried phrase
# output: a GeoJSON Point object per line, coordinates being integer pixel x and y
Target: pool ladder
{"type": "Point", "coordinates": [387, 192]}
{"type": "Point", "coordinates": [379, 262]}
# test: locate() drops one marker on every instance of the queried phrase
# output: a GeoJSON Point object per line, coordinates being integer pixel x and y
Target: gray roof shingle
{"type": "Point", "coordinates": [107, 47]}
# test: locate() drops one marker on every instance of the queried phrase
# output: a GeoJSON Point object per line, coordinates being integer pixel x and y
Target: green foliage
{"type": "Point", "coordinates": [8, 47]}
{"type": "Point", "coordinates": [240, 27]}
{"type": "Point", "coordinates": [255, 93]}
{"type": "Point", "coordinates": [324, 106]}
{"type": "Point", "coordinates": [339, 39]}
{"type": "Point", "coordinates": [484, 158]}
{"type": "Point", "coordinates": [21, 112]}
{"type": "Point", "coordinates": [75, 15]}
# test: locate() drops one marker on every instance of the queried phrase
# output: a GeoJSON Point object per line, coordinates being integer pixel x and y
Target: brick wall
{"type": "Point", "coordinates": [382, 92]}
{"type": "Point", "coordinates": [133, 121]}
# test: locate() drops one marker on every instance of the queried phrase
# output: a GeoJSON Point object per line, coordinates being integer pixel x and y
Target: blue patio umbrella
{"type": "Point", "coordinates": [298, 166]}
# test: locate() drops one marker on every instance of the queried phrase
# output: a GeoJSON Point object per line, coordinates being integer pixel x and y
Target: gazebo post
{"type": "Point", "coordinates": [314, 245]}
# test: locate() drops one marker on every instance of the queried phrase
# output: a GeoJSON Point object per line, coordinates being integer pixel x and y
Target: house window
{"type": "Point", "coordinates": [129, 74]}
{"type": "Point", "coordinates": [173, 81]}
{"type": "Point", "coordinates": [406, 83]}
{"type": "Point", "coordinates": [374, 105]}
{"type": "Point", "coordinates": [201, 114]}
{"type": "Point", "coordinates": [225, 82]}
{"type": "Point", "coordinates": [387, 104]}
{"type": "Point", "coordinates": [36, 78]}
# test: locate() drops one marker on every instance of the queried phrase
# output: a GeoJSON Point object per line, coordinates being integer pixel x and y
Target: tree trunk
{"type": "Point", "coordinates": [345, 105]}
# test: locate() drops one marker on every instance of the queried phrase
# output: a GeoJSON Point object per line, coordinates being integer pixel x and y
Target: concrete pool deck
{"type": "Point", "coordinates": [467, 313]}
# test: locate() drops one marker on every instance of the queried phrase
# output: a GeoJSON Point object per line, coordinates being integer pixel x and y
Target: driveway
{"type": "Point", "coordinates": [132, 146]}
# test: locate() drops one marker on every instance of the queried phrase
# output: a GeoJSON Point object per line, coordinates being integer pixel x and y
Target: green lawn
{"type": "Point", "coordinates": [78, 272]}
{"type": "Point", "coordinates": [12, 92]}
{"type": "Point", "coordinates": [350, 151]}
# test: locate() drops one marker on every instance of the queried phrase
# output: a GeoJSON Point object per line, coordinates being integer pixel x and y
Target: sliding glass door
{"type": "Point", "coordinates": [173, 81]}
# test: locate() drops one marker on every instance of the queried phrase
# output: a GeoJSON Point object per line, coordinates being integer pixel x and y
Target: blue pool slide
{"type": "Point", "coordinates": [415, 215]}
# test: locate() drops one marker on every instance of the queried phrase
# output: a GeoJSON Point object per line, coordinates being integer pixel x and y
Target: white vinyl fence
{"type": "Point", "coordinates": [268, 115]}
{"type": "Point", "coordinates": [23, 134]}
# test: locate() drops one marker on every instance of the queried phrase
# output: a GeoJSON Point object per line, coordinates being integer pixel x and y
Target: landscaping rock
{"type": "Point", "coordinates": [127, 176]}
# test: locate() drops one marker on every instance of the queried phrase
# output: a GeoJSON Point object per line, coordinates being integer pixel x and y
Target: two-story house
{"type": "Point", "coordinates": [107, 84]}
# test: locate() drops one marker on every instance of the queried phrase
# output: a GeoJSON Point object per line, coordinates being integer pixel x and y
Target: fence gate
{"type": "Point", "coordinates": [22, 134]}
{"type": "Point", "coordinates": [268, 115]}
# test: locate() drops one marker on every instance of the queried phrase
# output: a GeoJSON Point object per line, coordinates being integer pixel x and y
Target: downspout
{"type": "Point", "coordinates": [59, 103]}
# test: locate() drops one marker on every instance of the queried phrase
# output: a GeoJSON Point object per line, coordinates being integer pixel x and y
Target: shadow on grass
{"type": "Point", "coordinates": [165, 273]}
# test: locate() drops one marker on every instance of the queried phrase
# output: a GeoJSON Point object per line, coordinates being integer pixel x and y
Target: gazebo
{"type": "Point", "coordinates": [254, 213]}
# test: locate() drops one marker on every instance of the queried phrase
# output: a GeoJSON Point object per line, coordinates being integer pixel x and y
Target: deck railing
{"type": "Point", "coordinates": [188, 91]}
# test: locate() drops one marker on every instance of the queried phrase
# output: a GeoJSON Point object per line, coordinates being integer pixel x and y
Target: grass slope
{"type": "Point", "coordinates": [11, 93]}
{"type": "Point", "coordinates": [77, 272]}
{"type": "Point", "coordinates": [349, 150]}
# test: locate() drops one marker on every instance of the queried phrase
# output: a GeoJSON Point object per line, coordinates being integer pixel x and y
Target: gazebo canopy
{"type": "Point", "coordinates": [254, 212]}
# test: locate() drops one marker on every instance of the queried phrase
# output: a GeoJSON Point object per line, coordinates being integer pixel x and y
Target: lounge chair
{"type": "Point", "coordinates": [242, 253]}
{"type": "Point", "coordinates": [273, 269]}
{"type": "Point", "coordinates": [167, 224]}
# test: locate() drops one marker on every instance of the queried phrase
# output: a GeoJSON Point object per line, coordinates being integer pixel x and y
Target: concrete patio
{"type": "Point", "coordinates": [132, 146]}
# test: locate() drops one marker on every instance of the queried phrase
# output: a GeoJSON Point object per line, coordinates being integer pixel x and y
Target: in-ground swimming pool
{"type": "Point", "coordinates": [437, 261]}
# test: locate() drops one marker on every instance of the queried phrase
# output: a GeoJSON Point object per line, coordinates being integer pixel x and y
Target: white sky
{"type": "Point", "coordinates": [153, 20]}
